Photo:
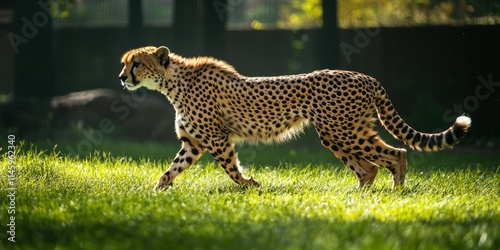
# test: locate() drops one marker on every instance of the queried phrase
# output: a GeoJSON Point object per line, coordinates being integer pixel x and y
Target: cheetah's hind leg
{"type": "Point", "coordinates": [365, 170]}
{"type": "Point", "coordinates": [391, 158]}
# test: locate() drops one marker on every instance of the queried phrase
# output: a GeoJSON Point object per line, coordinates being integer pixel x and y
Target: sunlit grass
{"type": "Point", "coordinates": [106, 201]}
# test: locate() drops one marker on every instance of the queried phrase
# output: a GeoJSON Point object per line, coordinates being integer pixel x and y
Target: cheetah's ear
{"type": "Point", "coordinates": [162, 55]}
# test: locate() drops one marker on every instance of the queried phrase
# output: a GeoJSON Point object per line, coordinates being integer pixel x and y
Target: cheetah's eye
{"type": "Point", "coordinates": [136, 65]}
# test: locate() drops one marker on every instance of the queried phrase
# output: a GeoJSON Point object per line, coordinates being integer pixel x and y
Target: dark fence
{"type": "Point", "coordinates": [433, 74]}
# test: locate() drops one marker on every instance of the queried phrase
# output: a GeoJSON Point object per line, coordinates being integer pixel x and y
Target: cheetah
{"type": "Point", "coordinates": [216, 107]}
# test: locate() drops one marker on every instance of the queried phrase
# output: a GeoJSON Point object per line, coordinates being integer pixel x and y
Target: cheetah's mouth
{"type": "Point", "coordinates": [130, 86]}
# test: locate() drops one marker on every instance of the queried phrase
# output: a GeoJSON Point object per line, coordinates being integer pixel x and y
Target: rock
{"type": "Point", "coordinates": [135, 115]}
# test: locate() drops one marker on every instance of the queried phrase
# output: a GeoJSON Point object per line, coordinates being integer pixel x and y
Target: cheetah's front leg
{"type": "Point", "coordinates": [223, 151]}
{"type": "Point", "coordinates": [190, 152]}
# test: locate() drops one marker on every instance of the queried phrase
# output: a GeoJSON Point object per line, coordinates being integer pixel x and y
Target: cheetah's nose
{"type": "Point", "coordinates": [122, 77]}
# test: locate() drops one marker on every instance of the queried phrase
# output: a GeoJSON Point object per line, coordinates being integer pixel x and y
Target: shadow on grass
{"type": "Point", "coordinates": [153, 232]}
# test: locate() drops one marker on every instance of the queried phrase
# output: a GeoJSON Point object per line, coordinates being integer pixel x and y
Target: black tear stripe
{"type": "Point", "coordinates": [134, 80]}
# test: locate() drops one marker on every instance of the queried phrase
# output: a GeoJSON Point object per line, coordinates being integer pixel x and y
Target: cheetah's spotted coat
{"type": "Point", "coordinates": [215, 106]}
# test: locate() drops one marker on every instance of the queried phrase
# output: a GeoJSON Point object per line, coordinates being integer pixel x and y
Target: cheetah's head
{"type": "Point", "coordinates": [144, 67]}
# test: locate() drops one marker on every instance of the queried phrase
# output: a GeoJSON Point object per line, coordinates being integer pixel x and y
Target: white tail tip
{"type": "Point", "coordinates": [463, 121]}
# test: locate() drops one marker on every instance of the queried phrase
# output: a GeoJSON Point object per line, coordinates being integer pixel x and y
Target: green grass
{"type": "Point", "coordinates": [307, 200]}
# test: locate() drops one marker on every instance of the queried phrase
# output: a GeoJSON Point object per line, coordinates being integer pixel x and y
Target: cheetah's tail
{"type": "Point", "coordinates": [393, 123]}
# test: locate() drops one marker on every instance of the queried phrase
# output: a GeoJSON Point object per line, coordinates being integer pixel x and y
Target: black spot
{"type": "Point", "coordinates": [395, 119]}
{"type": "Point", "coordinates": [409, 136]}
{"type": "Point", "coordinates": [176, 160]}
{"type": "Point", "coordinates": [424, 140]}
{"type": "Point", "coordinates": [182, 152]}
{"type": "Point", "coordinates": [449, 138]}
{"type": "Point", "coordinates": [378, 149]}
{"type": "Point", "coordinates": [432, 141]}
{"type": "Point", "coordinates": [367, 149]}
{"type": "Point", "coordinates": [439, 140]}
{"type": "Point", "coordinates": [399, 125]}
{"type": "Point", "coordinates": [459, 131]}
{"type": "Point", "coordinates": [417, 137]}
{"type": "Point", "coordinates": [189, 160]}
{"type": "Point", "coordinates": [391, 169]}
{"type": "Point", "coordinates": [195, 151]}
{"type": "Point", "coordinates": [371, 139]}
{"type": "Point", "coordinates": [404, 130]}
